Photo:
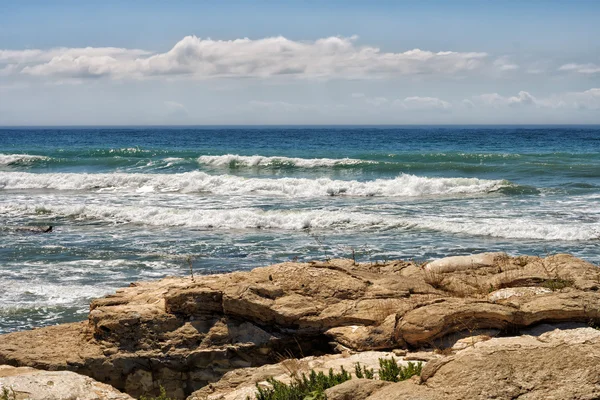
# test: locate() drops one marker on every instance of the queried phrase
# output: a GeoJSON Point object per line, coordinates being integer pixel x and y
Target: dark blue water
{"type": "Point", "coordinates": [135, 203]}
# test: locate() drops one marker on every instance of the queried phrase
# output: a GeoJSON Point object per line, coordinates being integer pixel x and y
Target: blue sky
{"type": "Point", "coordinates": [308, 62]}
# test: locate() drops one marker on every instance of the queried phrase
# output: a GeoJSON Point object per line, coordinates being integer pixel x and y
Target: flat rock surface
{"type": "Point", "coordinates": [559, 364]}
{"type": "Point", "coordinates": [29, 383]}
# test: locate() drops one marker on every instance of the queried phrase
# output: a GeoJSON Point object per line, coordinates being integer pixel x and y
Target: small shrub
{"type": "Point", "coordinates": [8, 394]}
{"type": "Point", "coordinates": [363, 372]}
{"type": "Point", "coordinates": [557, 284]}
{"type": "Point", "coordinates": [161, 396]}
{"type": "Point", "coordinates": [311, 387]}
{"type": "Point", "coordinates": [390, 371]}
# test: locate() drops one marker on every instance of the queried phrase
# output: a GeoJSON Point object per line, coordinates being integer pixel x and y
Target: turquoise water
{"type": "Point", "coordinates": [131, 204]}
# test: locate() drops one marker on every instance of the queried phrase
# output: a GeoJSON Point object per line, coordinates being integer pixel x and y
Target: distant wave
{"type": "Point", "coordinates": [297, 220]}
{"type": "Point", "coordinates": [234, 161]}
{"type": "Point", "coordinates": [19, 159]}
{"type": "Point", "coordinates": [199, 182]}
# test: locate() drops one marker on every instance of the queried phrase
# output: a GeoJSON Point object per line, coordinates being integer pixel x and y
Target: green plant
{"type": "Point", "coordinates": [8, 394]}
{"type": "Point", "coordinates": [311, 387]}
{"type": "Point", "coordinates": [390, 371]}
{"type": "Point", "coordinates": [557, 284]}
{"type": "Point", "coordinates": [161, 396]}
{"type": "Point", "coordinates": [363, 372]}
{"type": "Point", "coordinates": [190, 261]}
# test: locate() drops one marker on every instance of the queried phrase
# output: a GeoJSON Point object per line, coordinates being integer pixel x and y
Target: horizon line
{"type": "Point", "coordinates": [294, 125]}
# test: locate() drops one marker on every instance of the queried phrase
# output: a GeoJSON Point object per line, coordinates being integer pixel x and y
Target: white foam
{"type": "Point", "coordinates": [337, 220]}
{"type": "Point", "coordinates": [234, 160]}
{"type": "Point", "coordinates": [197, 182]}
{"type": "Point", "coordinates": [9, 159]}
{"type": "Point", "coordinates": [514, 228]}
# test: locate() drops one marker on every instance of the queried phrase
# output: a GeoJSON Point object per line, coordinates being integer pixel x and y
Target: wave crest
{"type": "Point", "coordinates": [236, 161]}
{"type": "Point", "coordinates": [199, 182]}
{"type": "Point", "coordinates": [298, 220]}
{"type": "Point", "coordinates": [19, 159]}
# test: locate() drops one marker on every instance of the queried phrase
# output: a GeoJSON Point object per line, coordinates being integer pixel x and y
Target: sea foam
{"type": "Point", "coordinates": [298, 220]}
{"type": "Point", "coordinates": [19, 159]}
{"type": "Point", "coordinates": [234, 160]}
{"type": "Point", "coordinates": [199, 182]}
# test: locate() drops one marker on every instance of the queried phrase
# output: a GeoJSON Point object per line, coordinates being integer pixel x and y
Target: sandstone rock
{"type": "Point", "coordinates": [559, 364]}
{"type": "Point", "coordinates": [461, 263]}
{"type": "Point", "coordinates": [427, 323]}
{"type": "Point", "coordinates": [30, 383]}
{"type": "Point", "coordinates": [184, 334]}
{"type": "Point", "coordinates": [238, 384]}
{"type": "Point", "coordinates": [507, 293]}
{"type": "Point", "coordinates": [355, 389]}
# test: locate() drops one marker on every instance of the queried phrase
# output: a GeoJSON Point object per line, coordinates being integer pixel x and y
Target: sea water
{"type": "Point", "coordinates": [131, 204]}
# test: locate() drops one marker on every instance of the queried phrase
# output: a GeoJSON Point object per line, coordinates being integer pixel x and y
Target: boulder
{"type": "Point", "coordinates": [462, 263]}
{"type": "Point", "coordinates": [34, 384]}
{"type": "Point", "coordinates": [34, 229]}
{"type": "Point", "coordinates": [558, 364]}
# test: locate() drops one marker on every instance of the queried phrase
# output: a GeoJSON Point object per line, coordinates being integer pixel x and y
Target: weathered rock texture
{"type": "Point", "coordinates": [33, 384]}
{"type": "Point", "coordinates": [549, 362]}
{"type": "Point", "coordinates": [559, 364]}
{"type": "Point", "coordinates": [183, 334]}
{"type": "Point", "coordinates": [241, 383]}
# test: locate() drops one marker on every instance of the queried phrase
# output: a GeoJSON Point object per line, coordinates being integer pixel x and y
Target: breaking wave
{"type": "Point", "coordinates": [236, 161]}
{"type": "Point", "coordinates": [297, 220]}
{"type": "Point", "coordinates": [19, 159]}
{"type": "Point", "coordinates": [199, 182]}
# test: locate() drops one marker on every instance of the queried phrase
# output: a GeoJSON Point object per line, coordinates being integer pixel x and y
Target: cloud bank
{"type": "Point", "coordinates": [330, 57]}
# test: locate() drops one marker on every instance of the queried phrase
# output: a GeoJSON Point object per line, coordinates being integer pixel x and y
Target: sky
{"type": "Point", "coordinates": [299, 62]}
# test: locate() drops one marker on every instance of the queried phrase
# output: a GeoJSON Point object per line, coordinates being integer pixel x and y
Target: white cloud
{"type": "Point", "coordinates": [497, 100]}
{"type": "Point", "coordinates": [588, 99]}
{"type": "Point", "coordinates": [376, 101]}
{"type": "Point", "coordinates": [279, 106]}
{"type": "Point", "coordinates": [581, 68]}
{"type": "Point", "coordinates": [504, 64]}
{"type": "Point", "coordinates": [38, 56]}
{"type": "Point", "coordinates": [175, 108]}
{"type": "Point", "coordinates": [423, 103]}
{"type": "Point", "coordinates": [331, 57]}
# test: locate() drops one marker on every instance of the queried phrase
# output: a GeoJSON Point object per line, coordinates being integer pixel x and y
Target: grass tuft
{"type": "Point", "coordinates": [557, 284]}
{"type": "Point", "coordinates": [8, 394]}
{"type": "Point", "coordinates": [390, 371]}
{"type": "Point", "coordinates": [313, 386]}
{"type": "Point", "coordinates": [161, 396]}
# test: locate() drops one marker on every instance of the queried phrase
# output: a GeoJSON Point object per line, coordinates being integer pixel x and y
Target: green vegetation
{"type": "Point", "coordinates": [557, 284]}
{"type": "Point", "coordinates": [390, 371]}
{"type": "Point", "coordinates": [8, 394]}
{"type": "Point", "coordinates": [313, 386]}
{"type": "Point", "coordinates": [302, 388]}
{"type": "Point", "coordinates": [363, 372]}
{"type": "Point", "coordinates": [161, 396]}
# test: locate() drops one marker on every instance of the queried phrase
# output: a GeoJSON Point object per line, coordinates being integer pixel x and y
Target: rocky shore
{"type": "Point", "coordinates": [484, 326]}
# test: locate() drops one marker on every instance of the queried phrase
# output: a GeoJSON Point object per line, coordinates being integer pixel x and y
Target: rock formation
{"type": "Point", "coordinates": [183, 334]}
{"type": "Point", "coordinates": [33, 384]}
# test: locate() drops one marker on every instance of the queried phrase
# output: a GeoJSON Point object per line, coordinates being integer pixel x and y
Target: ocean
{"type": "Point", "coordinates": [130, 204]}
